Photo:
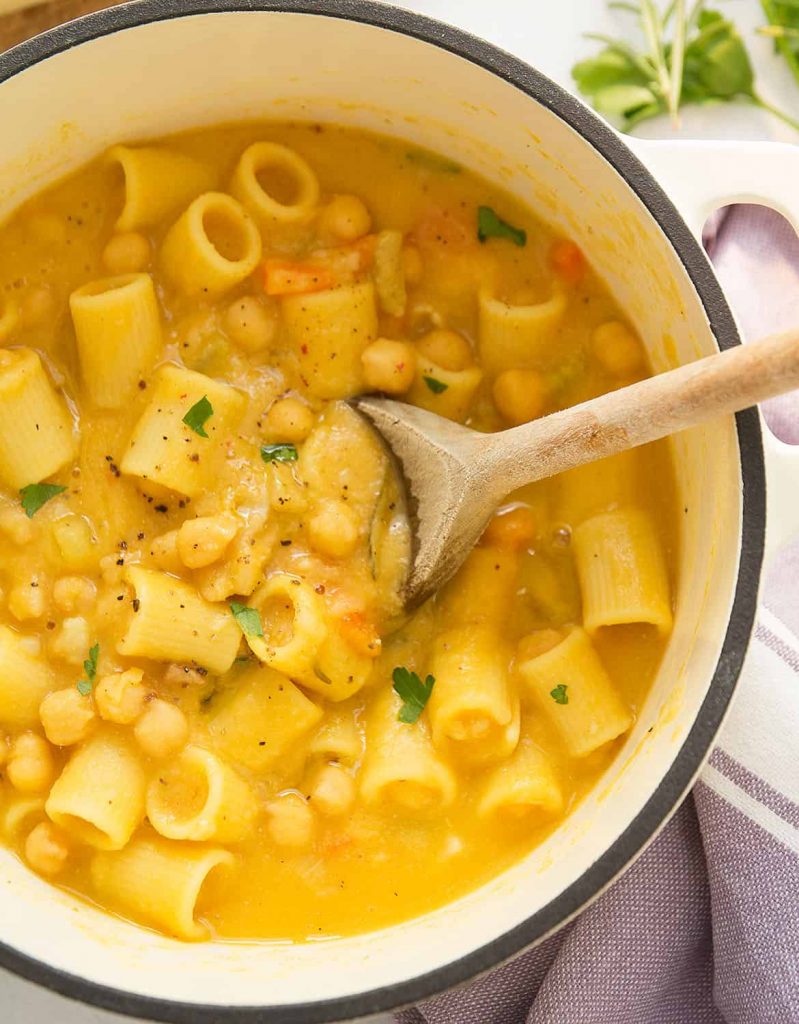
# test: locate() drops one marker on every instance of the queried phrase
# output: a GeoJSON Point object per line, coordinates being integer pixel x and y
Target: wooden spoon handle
{"type": "Point", "coordinates": [642, 412]}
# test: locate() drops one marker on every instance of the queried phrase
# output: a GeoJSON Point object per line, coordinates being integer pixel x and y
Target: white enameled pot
{"type": "Point", "coordinates": [157, 66]}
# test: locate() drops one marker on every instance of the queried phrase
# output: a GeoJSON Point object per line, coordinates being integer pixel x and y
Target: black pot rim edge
{"type": "Point", "coordinates": [669, 794]}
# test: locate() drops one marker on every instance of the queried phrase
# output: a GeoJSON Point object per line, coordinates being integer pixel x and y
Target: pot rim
{"type": "Point", "coordinates": [689, 759]}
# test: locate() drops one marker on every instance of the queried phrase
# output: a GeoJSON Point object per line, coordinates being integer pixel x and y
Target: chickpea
{"type": "Point", "coordinates": [447, 349]}
{"type": "Point", "coordinates": [46, 849]}
{"type": "Point", "coordinates": [67, 717]}
{"type": "Point", "coordinates": [534, 644]}
{"type": "Point", "coordinates": [204, 540]}
{"type": "Point", "coordinates": [332, 530]}
{"type": "Point", "coordinates": [37, 306]}
{"type": "Point", "coordinates": [74, 593]}
{"type": "Point", "coordinates": [332, 790]}
{"type": "Point", "coordinates": [412, 265]}
{"type": "Point", "coordinates": [16, 525]}
{"type": "Point", "coordinates": [344, 219]}
{"type": "Point", "coordinates": [617, 348]}
{"type": "Point", "coordinates": [162, 729]}
{"type": "Point", "coordinates": [72, 640]}
{"type": "Point", "coordinates": [126, 253]}
{"type": "Point", "coordinates": [289, 420]}
{"type": "Point", "coordinates": [389, 366]}
{"type": "Point", "coordinates": [30, 766]}
{"type": "Point", "coordinates": [164, 552]}
{"type": "Point", "coordinates": [28, 598]}
{"type": "Point", "coordinates": [520, 395]}
{"type": "Point", "coordinates": [290, 821]}
{"type": "Point", "coordinates": [250, 323]}
{"type": "Point", "coordinates": [121, 697]}
{"type": "Point", "coordinates": [514, 529]}
{"type": "Point", "coordinates": [73, 535]}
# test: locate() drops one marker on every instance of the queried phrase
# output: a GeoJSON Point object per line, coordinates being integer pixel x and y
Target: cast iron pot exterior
{"type": "Point", "coordinates": [690, 757]}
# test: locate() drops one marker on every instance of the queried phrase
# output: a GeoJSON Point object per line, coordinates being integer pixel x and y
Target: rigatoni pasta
{"type": "Point", "coordinates": [622, 571]}
{"type": "Point", "coordinates": [118, 333]}
{"type": "Point", "coordinates": [37, 435]}
{"type": "Point", "coordinates": [569, 686]}
{"type": "Point", "coordinates": [217, 718]}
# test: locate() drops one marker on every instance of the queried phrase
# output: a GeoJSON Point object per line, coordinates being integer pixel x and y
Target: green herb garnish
{"type": "Point", "coordinates": [490, 225]}
{"type": "Point", "coordinates": [199, 414]}
{"type": "Point", "coordinates": [90, 668]}
{"type": "Point", "coordinates": [690, 56]}
{"type": "Point", "coordinates": [413, 692]}
{"type": "Point", "coordinates": [436, 386]}
{"type": "Point", "coordinates": [248, 618]}
{"type": "Point", "coordinates": [432, 162]}
{"type": "Point", "coordinates": [35, 495]}
{"type": "Point", "coordinates": [559, 694]}
{"type": "Point", "coordinates": [783, 27]}
{"type": "Point", "coordinates": [278, 453]}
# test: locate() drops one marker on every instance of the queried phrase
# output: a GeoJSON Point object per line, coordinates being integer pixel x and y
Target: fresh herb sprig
{"type": "Point", "coordinates": [783, 27]}
{"type": "Point", "coordinates": [35, 495]}
{"type": "Point", "coordinates": [691, 56]}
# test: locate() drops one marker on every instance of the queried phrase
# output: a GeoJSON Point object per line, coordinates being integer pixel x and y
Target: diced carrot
{"type": "Point", "coordinates": [288, 277]}
{"type": "Point", "coordinates": [322, 269]}
{"type": "Point", "coordinates": [444, 229]}
{"type": "Point", "coordinates": [514, 529]}
{"type": "Point", "coordinates": [567, 260]}
{"type": "Point", "coordinates": [360, 634]}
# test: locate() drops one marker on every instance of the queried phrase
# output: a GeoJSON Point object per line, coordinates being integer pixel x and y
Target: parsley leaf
{"type": "Point", "coordinates": [248, 618]}
{"type": "Point", "coordinates": [691, 55]}
{"type": "Point", "coordinates": [198, 416]}
{"type": "Point", "coordinates": [90, 668]}
{"type": "Point", "coordinates": [413, 692]}
{"type": "Point", "coordinates": [278, 453]}
{"type": "Point", "coordinates": [490, 225]}
{"type": "Point", "coordinates": [559, 694]}
{"type": "Point", "coordinates": [35, 495]}
{"type": "Point", "coordinates": [436, 386]}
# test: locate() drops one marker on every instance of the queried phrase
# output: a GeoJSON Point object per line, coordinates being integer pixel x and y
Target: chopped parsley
{"type": "Point", "coordinates": [436, 386]}
{"type": "Point", "coordinates": [559, 694]}
{"type": "Point", "coordinates": [413, 692]}
{"type": "Point", "coordinates": [199, 414]}
{"type": "Point", "coordinates": [90, 668]}
{"type": "Point", "coordinates": [490, 225]}
{"type": "Point", "coordinates": [35, 495]}
{"type": "Point", "coordinates": [278, 453]}
{"type": "Point", "coordinates": [248, 618]}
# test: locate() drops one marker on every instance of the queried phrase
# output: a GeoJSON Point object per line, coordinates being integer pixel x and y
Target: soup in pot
{"type": "Point", "coordinates": [215, 717]}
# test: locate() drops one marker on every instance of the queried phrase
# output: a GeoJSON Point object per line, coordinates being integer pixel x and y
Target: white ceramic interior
{"type": "Point", "coordinates": [195, 70]}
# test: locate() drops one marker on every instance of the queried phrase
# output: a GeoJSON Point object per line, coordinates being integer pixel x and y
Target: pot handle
{"type": "Point", "coordinates": [700, 177]}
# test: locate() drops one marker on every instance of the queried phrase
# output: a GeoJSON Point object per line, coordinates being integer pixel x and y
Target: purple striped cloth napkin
{"type": "Point", "coordinates": [704, 927]}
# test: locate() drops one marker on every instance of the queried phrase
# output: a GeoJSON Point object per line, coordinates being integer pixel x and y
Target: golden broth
{"type": "Point", "coordinates": [359, 851]}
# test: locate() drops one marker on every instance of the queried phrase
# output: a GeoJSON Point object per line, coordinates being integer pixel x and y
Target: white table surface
{"type": "Point", "coordinates": [547, 35]}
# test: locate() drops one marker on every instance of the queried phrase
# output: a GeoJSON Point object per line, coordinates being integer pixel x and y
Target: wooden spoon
{"type": "Point", "coordinates": [456, 477]}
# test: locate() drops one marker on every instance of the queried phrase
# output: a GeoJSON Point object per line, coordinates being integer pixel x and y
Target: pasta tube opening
{"type": "Point", "coordinates": [301, 641]}
{"type": "Point", "coordinates": [212, 247]}
{"type": "Point", "coordinates": [275, 184]}
{"type": "Point", "coordinates": [518, 336]}
{"type": "Point", "coordinates": [105, 813]}
{"type": "Point", "coordinates": [196, 796]}
{"type": "Point", "coordinates": [162, 883]}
